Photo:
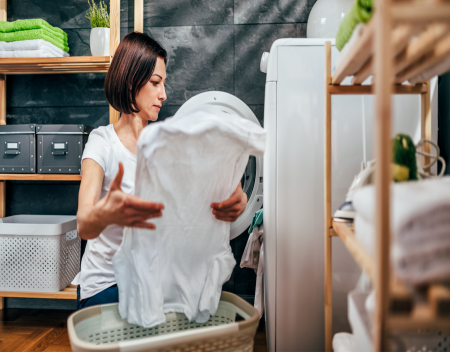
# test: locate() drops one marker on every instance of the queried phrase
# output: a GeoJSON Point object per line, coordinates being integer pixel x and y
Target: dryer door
{"type": "Point", "coordinates": [253, 177]}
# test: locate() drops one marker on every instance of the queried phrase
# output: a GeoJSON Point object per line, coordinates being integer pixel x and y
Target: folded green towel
{"type": "Point", "coordinates": [361, 12]}
{"type": "Point", "coordinates": [37, 23]}
{"type": "Point", "coordinates": [34, 34]}
{"type": "Point", "coordinates": [257, 220]}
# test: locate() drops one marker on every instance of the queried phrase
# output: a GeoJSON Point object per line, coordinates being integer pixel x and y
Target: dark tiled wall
{"type": "Point", "coordinates": [212, 45]}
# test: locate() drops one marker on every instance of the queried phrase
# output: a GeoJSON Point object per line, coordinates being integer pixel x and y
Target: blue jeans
{"type": "Point", "coordinates": [108, 295]}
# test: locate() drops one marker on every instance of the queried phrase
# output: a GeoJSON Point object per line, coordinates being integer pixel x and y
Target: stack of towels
{"type": "Point", "coordinates": [420, 228]}
{"type": "Point", "coordinates": [32, 38]}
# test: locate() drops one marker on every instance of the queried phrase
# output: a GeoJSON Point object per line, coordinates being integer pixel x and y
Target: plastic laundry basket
{"type": "Point", "coordinates": [38, 253]}
{"type": "Point", "coordinates": [100, 328]}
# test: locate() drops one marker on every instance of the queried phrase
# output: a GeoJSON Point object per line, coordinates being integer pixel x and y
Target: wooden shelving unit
{"type": "Point", "coordinates": [389, 54]}
{"type": "Point", "coordinates": [39, 177]}
{"type": "Point", "coordinates": [69, 292]}
{"type": "Point", "coordinates": [66, 65]}
{"type": "Point", "coordinates": [49, 65]}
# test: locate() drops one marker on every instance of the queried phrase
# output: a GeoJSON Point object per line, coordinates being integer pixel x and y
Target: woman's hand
{"type": "Point", "coordinates": [232, 208]}
{"type": "Point", "coordinates": [94, 214]}
{"type": "Point", "coordinates": [125, 209]}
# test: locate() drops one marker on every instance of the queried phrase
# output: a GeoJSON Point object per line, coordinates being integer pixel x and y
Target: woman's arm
{"type": "Point", "coordinates": [117, 207]}
{"type": "Point", "coordinates": [232, 208]}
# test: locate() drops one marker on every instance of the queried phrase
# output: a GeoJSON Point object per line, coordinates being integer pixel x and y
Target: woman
{"type": "Point", "coordinates": [134, 85]}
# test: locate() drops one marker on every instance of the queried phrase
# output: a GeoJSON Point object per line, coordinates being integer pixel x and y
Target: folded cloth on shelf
{"type": "Point", "coordinates": [420, 244]}
{"type": "Point", "coordinates": [35, 44]}
{"type": "Point", "coordinates": [253, 258]}
{"type": "Point", "coordinates": [434, 71]}
{"type": "Point", "coordinates": [361, 12]}
{"type": "Point", "coordinates": [30, 48]}
{"type": "Point", "coordinates": [29, 53]}
{"type": "Point", "coordinates": [350, 43]}
{"type": "Point", "coordinates": [35, 23]}
{"type": "Point", "coordinates": [182, 265]}
{"type": "Point", "coordinates": [35, 34]}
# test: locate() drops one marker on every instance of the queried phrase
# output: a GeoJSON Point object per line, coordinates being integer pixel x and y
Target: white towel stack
{"type": "Point", "coordinates": [30, 48]}
{"type": "Point", "coordinates": [420, 228]}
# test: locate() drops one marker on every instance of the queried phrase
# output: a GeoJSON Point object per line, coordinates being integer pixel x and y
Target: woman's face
{"type": "Point", "coordinates": [149, 99]}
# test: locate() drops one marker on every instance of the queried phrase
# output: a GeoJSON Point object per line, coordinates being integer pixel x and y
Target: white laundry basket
{"type": "Point", "coordinates": [100, 328]}
{"type": "Point", "coordinates": [420, 341]}
{"type": "Point", "coordinates": [38, 253]}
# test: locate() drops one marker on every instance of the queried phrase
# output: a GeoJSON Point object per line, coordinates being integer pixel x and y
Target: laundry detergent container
{"type": "Point", "coordinates": [60, 147]}
{"type": "Point", "coordinates": [18, 149]}
{"type": "Point", "coordinates": [39, 253]}
{"type": "Point", "coordinates": [231, 329]}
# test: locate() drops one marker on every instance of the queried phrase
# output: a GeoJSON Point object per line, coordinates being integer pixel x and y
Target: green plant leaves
{"type": "Point", "coordinates": [98, 15]}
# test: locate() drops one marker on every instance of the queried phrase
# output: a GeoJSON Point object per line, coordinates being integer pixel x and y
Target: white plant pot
{"type": "Point", "coordinates": [100, 41]}
{"type": "Point", "coordinates": [326, 17]}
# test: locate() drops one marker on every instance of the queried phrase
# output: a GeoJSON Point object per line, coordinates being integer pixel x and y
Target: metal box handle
{"type": "Point", "coordinates": [12, 148]}
{"type": "Point", "coordinates": [59, 148]}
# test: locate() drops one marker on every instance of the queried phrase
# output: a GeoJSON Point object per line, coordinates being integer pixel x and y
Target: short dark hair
{"type": "Point", "coordinates": [131, 67]}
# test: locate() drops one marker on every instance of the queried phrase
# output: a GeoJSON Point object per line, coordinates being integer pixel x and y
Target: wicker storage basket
{"type": "Point", "coordinates": [100, 328]}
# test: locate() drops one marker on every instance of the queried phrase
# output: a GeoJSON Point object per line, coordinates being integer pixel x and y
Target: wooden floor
{"type": "Point", "coordinates": [39, 330]}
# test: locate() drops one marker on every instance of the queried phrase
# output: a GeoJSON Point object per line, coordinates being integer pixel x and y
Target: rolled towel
{"type": "Point", "coordinates": [34, 34]}
{"type": "Point", "coordinates": [30, 45]}
{"type": "Point", "coordinates": [37, 23]}
{"type": "Point", "coordinates": [361, 12]}
{"type": "Point", "coordinates": [31, 53]}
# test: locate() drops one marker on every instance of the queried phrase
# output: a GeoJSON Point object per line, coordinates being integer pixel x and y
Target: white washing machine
{"type": "Point", "coordinates": [252, 179]}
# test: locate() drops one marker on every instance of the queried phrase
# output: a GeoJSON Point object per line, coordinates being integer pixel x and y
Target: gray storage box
{"type": "Point", "coordinates": [18, 149]}
{"type": "Point", "coordinates": [38, 253]}
{"type": "Point", "coordinates": [59, 148]}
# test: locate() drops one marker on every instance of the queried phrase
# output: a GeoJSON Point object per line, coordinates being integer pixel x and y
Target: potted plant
{"type": "Point", "coordinates": [99, 17]}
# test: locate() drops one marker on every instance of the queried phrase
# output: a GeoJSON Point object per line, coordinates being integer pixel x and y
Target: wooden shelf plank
{"type": "Point", "coordinates": [48, 65]}
{"type": "Point", "coordinates": [420, 12]}
{"type": "Point", "coordinates": [368, 89]}
{"type": "Point", "coordinates": [364, 260]}
{"type": "Point", "coordinates": [39, 177]}
{"type": "Point", "coordinates": [69, 292]}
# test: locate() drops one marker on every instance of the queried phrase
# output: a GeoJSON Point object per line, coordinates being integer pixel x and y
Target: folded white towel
{"type": "Point", "coordinates": [420, 228]}
{"type": "Point", "coordinates": [357, 31]}
{"type": "Point", "coordinates": [32, 45]}
{"type": "Point", "coordinates": [419, 210]}
{"type": "Point", "coordinates": [28, 53]}
{"type": "Point", "coordinates": [343, 342]}
{"type": "Point", "coordinates": [436, 70]}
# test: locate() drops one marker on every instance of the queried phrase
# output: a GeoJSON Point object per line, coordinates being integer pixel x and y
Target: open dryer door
{"type": "Point", "coordinates": [252, 179]}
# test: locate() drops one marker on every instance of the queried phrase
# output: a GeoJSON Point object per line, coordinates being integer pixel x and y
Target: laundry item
{"type": "Point", "coordinates": [30, 48]}
{"type": "Point", "coordinates": [361, 12]}
{"type": "Point", "coordinates": [350, 43]}
{"type": "Point", "coordinates": [436, 70]}
{"type": "Point", "coordinates": [343, 342]}
{"type": "Point", "coordinates": [185, 162]}
{"type": "Point", "coordinates": [257, 220]}
{"type": "Point", "coordinates": [420, 245]}
{"type": "Point", "coordinates": [31, 29]}
{"type": "Point", "coordinates": [253, 258]}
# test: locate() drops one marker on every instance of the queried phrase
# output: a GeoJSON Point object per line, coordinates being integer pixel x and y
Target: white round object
{"type": "Point", "coordinates": [99, 41]}
{"type": "Point", "coordinates": [326, 17]}
{"type": "Point", "coordinates": [264, 62]}
{"type": "Point", "coordinates": [230, 103]}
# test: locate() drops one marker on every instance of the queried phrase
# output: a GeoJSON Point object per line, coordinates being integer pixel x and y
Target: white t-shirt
{"type": "Point", "coordinates": [186, 162]}
{"type": "Point", "coordinates": [106, 149]}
